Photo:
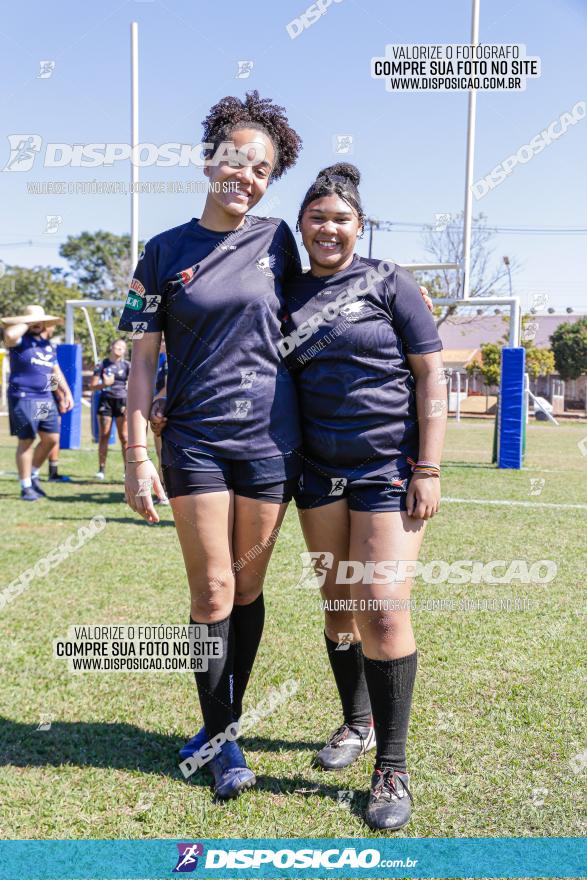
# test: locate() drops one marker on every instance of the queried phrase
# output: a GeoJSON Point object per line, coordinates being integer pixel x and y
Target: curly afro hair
{"type": "Point", "coordinates": [231, 114]}
{"type": "Point", "coordinates": [342, 180]}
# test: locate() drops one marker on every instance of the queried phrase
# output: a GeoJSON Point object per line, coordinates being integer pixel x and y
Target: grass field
{"type": "Point", "coordinates": [498, 718]}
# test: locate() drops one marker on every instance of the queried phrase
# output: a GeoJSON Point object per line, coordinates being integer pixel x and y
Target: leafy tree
{"type": "Point", "coordinates": [100, 263]}
{"type": "Point", "coordinates": [21, 286]}
{"type": "Point", "coordinates": [569, 346]}
{"type": "Point", "coordinates": [490, 365]}
{"type": "Point", "coordinates": [539, 361]}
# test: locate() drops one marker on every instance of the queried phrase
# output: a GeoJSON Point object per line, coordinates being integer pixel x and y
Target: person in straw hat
{"type": "Point", "coordinates": [35, 382]}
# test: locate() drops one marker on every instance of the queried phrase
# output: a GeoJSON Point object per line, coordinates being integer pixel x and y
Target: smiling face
{"type": "Point", "coordinates": [235, 189]}
{"type": "Point", "coordinates": [329, 228]}
{"type": "Point", "coordinates": [118, 349]}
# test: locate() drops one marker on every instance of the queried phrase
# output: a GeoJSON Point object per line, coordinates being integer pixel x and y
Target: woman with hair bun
{"type": "Point", "coordinates": [366, 356]}
{"type": "Point", "coordinates": [230, 443]}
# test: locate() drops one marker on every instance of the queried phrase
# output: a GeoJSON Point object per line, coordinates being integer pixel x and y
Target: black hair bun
{"type": "Point", "coordinates": [343, 169]}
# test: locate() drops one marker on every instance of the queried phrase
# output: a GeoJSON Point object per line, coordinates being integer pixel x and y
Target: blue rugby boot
{"type": "Point", "coordinates": [194, 744]}
{"type": "Point", "coordinates": [230, 771]}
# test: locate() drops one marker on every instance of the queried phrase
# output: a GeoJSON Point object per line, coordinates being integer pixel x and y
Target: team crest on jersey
{"type": "Point", "coordinates": [135, 299]}
{"type": "Point", "coordinates": [134, 302]}
{"type": "Point", "coordinates": [355, 310]}
{"type": "Point", "coordinates": [266, 265]}
{"type": "Point", "coordinates": [397, 486]}
{"type": "Point", "coordinates": [186, 274]}
{"type": "Point", "coordinates": [136, 285]}
{"type": "Point", "coordinates": [338, 485]}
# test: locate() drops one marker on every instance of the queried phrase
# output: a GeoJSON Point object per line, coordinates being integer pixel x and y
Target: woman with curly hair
{"type": "Point", "coordinates": [230, 445]}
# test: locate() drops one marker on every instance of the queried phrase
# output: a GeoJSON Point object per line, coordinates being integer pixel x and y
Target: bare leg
{"type": "Point", "coordinates": [121, 428]}
{"type": "Point", "coordinates": [381, 537]}
{"type": "Point", "coordinates": [204, 526]}
{"type": "Point", "coordinates": [47, 443]}
{"type": "Point", "coordinates": [24, 458]}
{"type": "Point", "coordinates": [327, 529]}
{"type": "Point", "coordinates": [256, 527]}
{"type": "Point", "coordinates": [105, 424]}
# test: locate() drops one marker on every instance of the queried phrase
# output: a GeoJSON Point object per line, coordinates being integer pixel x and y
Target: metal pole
{"type": "Point", "coordinates": [512, 302]}
{"type": "Point", "coordinates": [470, 160]}
{"type": "Point", "coordinates": [134, 139]}
{"type": "Point", "coordinates": [537, 403]}
{"type": "Point", "coordinates": [526, 395]}
{"type": "Point", "coordinates": [515, 321]}
{"type": "Point", "coordinates": [69, 322]}
{"type": "Point", "coordinates": [458, 407]}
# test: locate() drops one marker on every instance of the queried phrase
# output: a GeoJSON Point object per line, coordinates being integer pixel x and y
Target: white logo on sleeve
{"type": "Point", "coordinates": [152, 303]}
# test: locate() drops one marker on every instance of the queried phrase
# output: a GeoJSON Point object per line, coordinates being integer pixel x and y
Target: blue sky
{"type": "Point", "coordinates": [410, 147]}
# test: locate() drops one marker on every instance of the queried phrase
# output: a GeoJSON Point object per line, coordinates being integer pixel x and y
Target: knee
{"type": "Point", "coordinates": [212, 598]}
{"type": "Point", "coordinates": [247, 588]}
{"type": "Point", "coordinates": [338, 622]}
{"type": "Point", "coordinates": [381, 627]}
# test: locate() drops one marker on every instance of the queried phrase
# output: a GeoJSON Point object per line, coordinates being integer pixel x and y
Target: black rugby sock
{"type": "Point", "coordinates": [215, 685]}
{"type": "Point", "coordinates": [391, 685]}
{"type": "Point", "coordinates": [349, 674]}
{"type": "Point", "coordinates": [248, 622]}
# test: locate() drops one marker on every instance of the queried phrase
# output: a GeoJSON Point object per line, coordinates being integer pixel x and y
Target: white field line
{"type": "Point", "coordinates": [505, 503]}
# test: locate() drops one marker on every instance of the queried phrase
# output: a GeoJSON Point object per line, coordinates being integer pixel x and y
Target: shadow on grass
{"type": "Point", "coordinates": [125, 520]}
{"type": "Point", "coordinates": [120, 746]}
{"type": "Point", "coordinates": [71, 497]}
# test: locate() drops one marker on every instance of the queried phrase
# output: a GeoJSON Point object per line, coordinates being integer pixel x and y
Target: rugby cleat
{"type": "Point", "coordinates": [194, 744]}
{"type": "Point", "coordinates": [29, 494]}
{"type": "Point", "coordinates": [390, 800]}
{"type": "Point", "coordinates": [36, 484]}
{"type": "Point", "coordinates": [230, 772]}
{"type": "Point", "coordinates": [100, 475]}
{"type": "Point", "coordinates": [345, 745]}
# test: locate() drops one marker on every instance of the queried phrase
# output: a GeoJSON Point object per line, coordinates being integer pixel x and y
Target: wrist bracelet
{"type": "Point", "coordinates": [134, 445]}
{"type": "Point", "coordinates": [136, 460]}
{"type": "Point", "coordinates": [431, 464]}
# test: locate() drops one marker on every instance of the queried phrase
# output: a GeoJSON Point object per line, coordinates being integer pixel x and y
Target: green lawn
{"type": "Point", "coordinates": [499, 706]}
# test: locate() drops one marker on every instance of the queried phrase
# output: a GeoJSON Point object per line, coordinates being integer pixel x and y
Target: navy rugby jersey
{"type": "Point", "coordinates": [31, 364]}
{"type": "Point", "coordinates": [346, 337]}
{"type": "Point", "coordinates": [118, 369]}
{"type": "Point", "coordinates": [217, 297]}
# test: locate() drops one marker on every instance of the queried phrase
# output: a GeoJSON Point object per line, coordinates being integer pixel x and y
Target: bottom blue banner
{"type": "Point", "coordinates": [294, 857]}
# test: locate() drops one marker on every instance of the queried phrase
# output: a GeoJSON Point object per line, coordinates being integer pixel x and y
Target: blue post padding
{"type": "Point", "coordinates": [69, 358]}
{"type": "Point", "coordinates": [511, 408]}
{"type": "Point", "coordinates": [96, 396]}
